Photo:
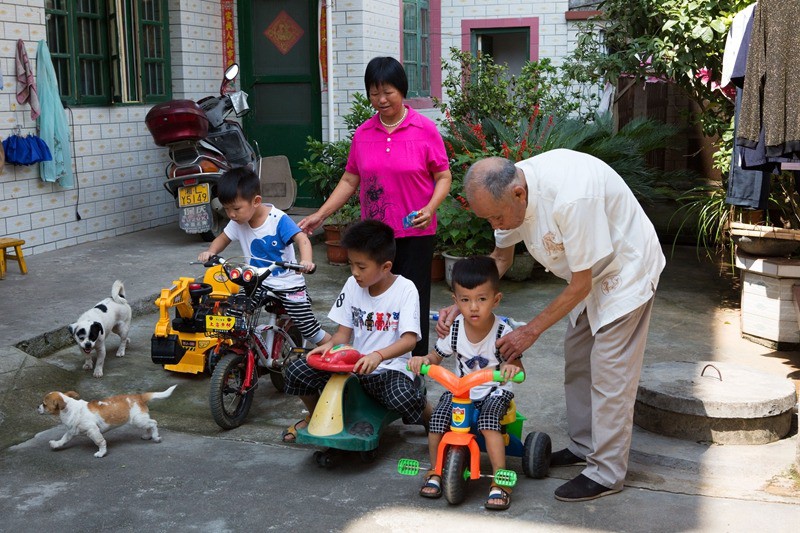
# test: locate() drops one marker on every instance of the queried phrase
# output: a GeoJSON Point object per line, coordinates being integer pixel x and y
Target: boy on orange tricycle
{"type": "Point", "coordinates": [472, 340]}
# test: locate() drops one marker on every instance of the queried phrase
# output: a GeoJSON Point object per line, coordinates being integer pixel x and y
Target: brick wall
{"type": "Point", "coordinates": [119, 170]}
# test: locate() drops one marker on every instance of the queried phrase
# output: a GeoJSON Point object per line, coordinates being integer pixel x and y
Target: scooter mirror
{"type": "Point", "coordinates": [231, 72]}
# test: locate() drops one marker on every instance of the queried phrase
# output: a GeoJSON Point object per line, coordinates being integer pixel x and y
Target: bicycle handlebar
{"type": "Point", "coordinates": [219, 260]}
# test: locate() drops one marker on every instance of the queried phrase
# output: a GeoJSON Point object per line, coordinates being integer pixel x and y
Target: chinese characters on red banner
{"type": "Point", "coordinates": [228, 41]}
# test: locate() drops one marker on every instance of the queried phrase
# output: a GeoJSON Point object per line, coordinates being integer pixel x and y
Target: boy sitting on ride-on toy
{"type": "Point", "coordinates": [378, 314]}
{"type": "Point", "coordinates": [267, 233]}
{"type": "Point", "coordinates": [472, 339]}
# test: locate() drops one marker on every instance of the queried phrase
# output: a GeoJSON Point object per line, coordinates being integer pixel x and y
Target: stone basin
{"type": "Point", "coordinates": [727, 404]}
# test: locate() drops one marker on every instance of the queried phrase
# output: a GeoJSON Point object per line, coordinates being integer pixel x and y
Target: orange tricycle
{"type": "Point", "coordinates": [459, 454]}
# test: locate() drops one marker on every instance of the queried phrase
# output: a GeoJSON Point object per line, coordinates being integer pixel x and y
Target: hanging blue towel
{"type": "Point", "coordinates": [53, 125]}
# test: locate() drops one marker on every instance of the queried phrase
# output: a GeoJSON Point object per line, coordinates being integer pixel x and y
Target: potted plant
{"type": "Point", "coordinates": [460, 233]}
{"type": "Point", "coordinates": [337, 224]}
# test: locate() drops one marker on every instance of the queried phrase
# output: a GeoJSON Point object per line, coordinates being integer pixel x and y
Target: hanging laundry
{"type": "Point", "coordinates": [53, 124]}
{"type": "Point", "coordinates": [26, 84]}
{"type": "Point", "coordinates": [771, 98]}
{"type": "Point", "coordinates": [25, 149]}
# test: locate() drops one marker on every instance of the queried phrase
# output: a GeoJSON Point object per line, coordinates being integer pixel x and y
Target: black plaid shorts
{"type": "Point", "coordinates": [392, 389]}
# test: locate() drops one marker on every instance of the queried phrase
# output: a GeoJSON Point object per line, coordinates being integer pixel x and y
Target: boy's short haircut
{"type": "Point", "coordinates": [473, 271]}
{"type": "Point", "coordinates": [371, 237]}
{"type": "Point", "coordinates": [238, 182]}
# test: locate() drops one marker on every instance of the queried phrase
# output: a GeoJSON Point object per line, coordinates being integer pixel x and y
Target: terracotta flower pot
{"type": "Point", "coordinates": [437, 268]}
{"type": "Point", "coordinates": [337, 255]}
{"type": "Point", "coordinates": [333, 232]}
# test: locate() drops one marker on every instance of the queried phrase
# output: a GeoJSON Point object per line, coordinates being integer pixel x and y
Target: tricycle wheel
{"type": "Point", "coordinates": [323, 459]}
{"type": "Point", "coordinates": [536, 455]}
{"type": "Point", "coordinates": [368, 456]}
{"type": "Point", "coordinates": [229, 402]}
{"type": "Point", "coordinates": [287, 351]}
{"type": "Point", "coordinates": [454, 483]}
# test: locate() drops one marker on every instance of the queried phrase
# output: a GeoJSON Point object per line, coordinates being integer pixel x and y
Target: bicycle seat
{"type": "Point", "coordinates": [340, 358]}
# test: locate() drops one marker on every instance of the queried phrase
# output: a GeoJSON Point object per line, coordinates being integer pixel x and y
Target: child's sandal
{"type": "Point", "coordinates": [289, 435]}
{"type": "Point", "coordinates": [498, 493]}
{"type": "Point", "coordinates": [432, 481]}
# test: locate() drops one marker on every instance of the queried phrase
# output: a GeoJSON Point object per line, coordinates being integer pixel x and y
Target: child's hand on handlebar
{"type": "Point", "coordinates": [368, 363]}
{"type": "Point", "coordinates": [321, 349]}
{"type": "Point", "coordinates": [509, 370]}
{"type": "Point", "coordinates": [204, 256]}
{"type": "Point", "coordinates": [416, 362]}
{"type": "Point", "coordinates": [308, 266]}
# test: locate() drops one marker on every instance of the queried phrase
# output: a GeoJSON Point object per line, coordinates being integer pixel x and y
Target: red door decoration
{"type": "Point", "coordinates": [284, 32]}
{"type": "Point", "coordinates": [228, 41]}
{"type": "Point", "coordinates": [323, 46]}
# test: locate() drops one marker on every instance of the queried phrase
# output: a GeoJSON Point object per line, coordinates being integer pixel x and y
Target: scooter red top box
{"type": "Point", "coordinates": [176, 120]}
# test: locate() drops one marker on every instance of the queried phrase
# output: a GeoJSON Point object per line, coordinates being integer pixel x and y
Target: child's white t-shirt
{"type": "Point", "coordinates": [469, 354]}
{"type": "Point", "coordinates": [272, 240]}
{"type": "Point", "coordinates": [378, 321]}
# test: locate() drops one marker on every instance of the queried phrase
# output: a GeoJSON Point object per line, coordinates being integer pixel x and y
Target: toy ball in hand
{"type": "Point", "coordinates": [340, 358]}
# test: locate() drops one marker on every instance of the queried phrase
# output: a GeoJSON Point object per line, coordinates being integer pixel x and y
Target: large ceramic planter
{"type": "Point", "coordinates": [449, 261]}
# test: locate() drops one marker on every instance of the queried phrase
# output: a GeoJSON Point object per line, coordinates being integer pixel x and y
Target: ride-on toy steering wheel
{"type": "Point", "coordinates": [345, 417]}
{"type": "Point", "coordinates": [458, 456]}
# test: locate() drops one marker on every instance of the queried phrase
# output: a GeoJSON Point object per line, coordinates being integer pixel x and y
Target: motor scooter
{"type": "Point", "coordinates": [203, 143]}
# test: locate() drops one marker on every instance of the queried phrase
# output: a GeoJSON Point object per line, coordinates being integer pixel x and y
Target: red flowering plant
{"type": "Point", "coordinates": [490, 113]}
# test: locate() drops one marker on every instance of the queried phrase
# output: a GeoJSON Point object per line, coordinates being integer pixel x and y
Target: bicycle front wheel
{"type": "Point", "coordinates": [286, 352]}
{"type": "Point", "coordinates": [228, 400]}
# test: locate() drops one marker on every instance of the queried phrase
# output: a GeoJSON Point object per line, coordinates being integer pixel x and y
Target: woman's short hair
{"type": "Point", "coordinates": [381, 70]}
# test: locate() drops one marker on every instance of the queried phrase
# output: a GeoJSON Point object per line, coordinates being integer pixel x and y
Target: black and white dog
{"type": "Point", "coordinates": [91, 329]}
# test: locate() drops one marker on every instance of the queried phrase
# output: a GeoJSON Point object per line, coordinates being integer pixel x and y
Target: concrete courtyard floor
{"type": "Point", "coordinates": [201, 478]}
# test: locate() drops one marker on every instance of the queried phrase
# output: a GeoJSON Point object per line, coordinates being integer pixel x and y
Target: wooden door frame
{"type": "Point", "coordinates": [248, 80]}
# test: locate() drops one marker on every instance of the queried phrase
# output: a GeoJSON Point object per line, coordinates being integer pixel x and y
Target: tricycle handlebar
{"type": "Point", "coordinates": [460, 387]}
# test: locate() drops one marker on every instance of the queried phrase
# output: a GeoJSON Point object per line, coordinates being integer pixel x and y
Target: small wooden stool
{"type": "Point", "coordinates": [8, 242]}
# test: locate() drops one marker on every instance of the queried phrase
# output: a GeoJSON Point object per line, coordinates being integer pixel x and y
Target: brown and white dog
{"type": "Point", "coordinates": [95, 417]}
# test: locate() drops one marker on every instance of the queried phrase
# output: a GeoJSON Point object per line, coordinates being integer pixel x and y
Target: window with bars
{"type": "Point", "coordinates": [416, 47]}
{"type": "Point", "coordinates": [109, 51]}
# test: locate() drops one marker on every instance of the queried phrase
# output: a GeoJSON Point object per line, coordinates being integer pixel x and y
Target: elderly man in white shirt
{"type": "Point", "coordinates": [579, 219]}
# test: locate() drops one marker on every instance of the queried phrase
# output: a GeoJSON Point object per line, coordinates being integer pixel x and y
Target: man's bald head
{"type": "Point", "coordinates": [494, 175]}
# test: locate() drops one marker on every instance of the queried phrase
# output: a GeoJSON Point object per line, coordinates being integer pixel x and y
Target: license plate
{"type": "Point", "coordinates": [219, 323]}
{"type": "Point", "coordinates": [194, 195]}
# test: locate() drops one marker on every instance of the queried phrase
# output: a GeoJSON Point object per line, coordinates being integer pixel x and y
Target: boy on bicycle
{"type": "Point", "coordinates": [378, 314]}
{"type": "Point", "coordinates": [267, 233]}
{"type": "Point", "coordinates": [472, 338]}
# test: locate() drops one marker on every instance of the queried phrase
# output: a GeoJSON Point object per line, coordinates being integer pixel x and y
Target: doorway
{"type": "Point", "coordinates": [280, 73]}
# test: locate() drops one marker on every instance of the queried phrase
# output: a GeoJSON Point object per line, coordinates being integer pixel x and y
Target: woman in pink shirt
{"type": "Point", "coordinates": [399, 165]}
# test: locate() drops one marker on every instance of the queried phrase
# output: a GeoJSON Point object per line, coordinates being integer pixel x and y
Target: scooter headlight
{"type": "Point", "coordinates": [248, 274]}
{"type": "Point", "coordinates": [235, 273]}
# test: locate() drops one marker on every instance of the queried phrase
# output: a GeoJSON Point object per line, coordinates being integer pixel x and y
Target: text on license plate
{"type": "Point", "coordinates": [220, 323]}
{"type": "Point", "coordinates": [194, 195]}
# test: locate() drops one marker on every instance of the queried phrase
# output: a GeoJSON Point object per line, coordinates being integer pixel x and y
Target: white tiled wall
{"type": "Point", "coordinates": [119, 170]}
{"type": "Point", "coordinates": [364, 29]}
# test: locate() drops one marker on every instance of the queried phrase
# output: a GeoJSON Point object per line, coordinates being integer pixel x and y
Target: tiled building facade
{"type": "Point", "coordinates": [119, 170]}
